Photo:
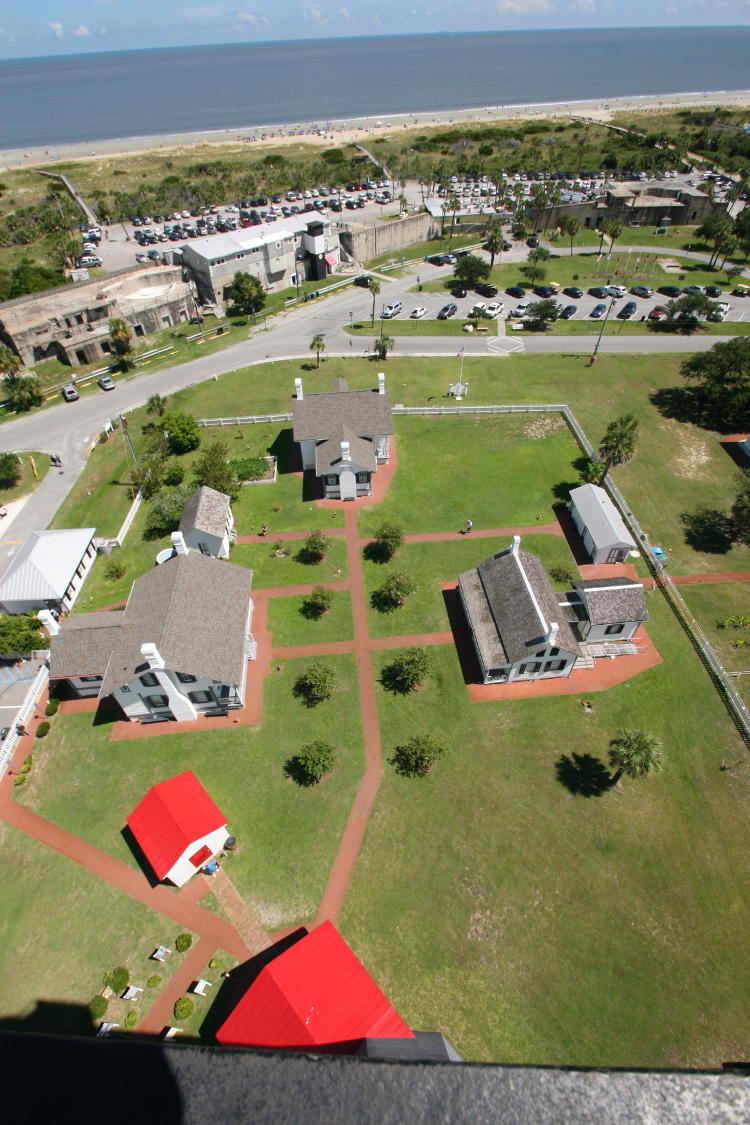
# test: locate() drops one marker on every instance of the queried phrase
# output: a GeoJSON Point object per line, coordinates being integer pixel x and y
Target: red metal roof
{"type": "Point", "coordinates": [315, 993]}
{"type": "Point", "coordinates": [173, 815]}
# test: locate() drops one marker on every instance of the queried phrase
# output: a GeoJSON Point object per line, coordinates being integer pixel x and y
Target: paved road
{"type": "Point", "coordinates": [69, 428]}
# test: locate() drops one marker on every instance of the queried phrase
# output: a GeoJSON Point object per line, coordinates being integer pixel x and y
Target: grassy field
{"type": "Point", "coordinates": [532, 925]}
{"type": "Point", "coordinates": [288, 835]}
{"type": "Point", "coordinates": [27, 482]}
{"type": "Point", "coordinates": [424, 327]}
{"type": "Point", "coordinates": [423, 249]}
{"type": "Point", "coordinates": [712, 605]}
{"type": "Point", "coordinates": [430, 565]}
{"type": "Point", "coordinates": [615, 327]}
{"type": "Point", "coordinates": [61, 928]}
{"type": "Point", "coordinates": [292, 570]}
{"type": "Point", "coordinates": [289, 625]}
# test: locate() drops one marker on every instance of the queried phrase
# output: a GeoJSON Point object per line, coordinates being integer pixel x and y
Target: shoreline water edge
{"type": "Point", "coordinates": [347, 130]}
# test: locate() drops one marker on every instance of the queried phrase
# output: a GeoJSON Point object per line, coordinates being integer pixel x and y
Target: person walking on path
{"type": "Point", "coordinates": [469, 526]}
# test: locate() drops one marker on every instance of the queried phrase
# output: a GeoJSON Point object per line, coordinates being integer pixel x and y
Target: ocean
{"type": "Point", "coordinates": [90, 97]}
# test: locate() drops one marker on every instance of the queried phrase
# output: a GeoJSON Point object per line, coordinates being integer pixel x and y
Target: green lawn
{"type": "Point", "coordinates": [268, 570]}
{"type": "Point", "coordinates": [102, 494]}
{"type": "Point", "coordinates": [502, 470]}
{"type": "Point", "coordinates": [288, 835]}
{"type": "Point", "coordinates": [61, 928]}
{"type": "Point", "coordinates": [290, 626]}
{"type": "Point", "coordinates": [534, 926]}
{"type": "Point", "coordinates": [713, 604]}
{"type": "Point", "coordinates": [424, 327]}
{"type": "Point", "coordinates": [27, 482]}
{"type": "Point", "coordinates": [615, 327]}
{"type": "Point", "coordinates": [431, 564]}
{"type": "Point", "coordinates": [424, 249]}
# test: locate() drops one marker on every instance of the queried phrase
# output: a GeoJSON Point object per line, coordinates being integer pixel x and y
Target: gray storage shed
{"type": "Point", "coordinates": [602, 528]}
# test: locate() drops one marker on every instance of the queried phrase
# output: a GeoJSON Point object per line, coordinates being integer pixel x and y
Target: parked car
{"type": "Point", "coordinates": [672, 291]}
{"type": "Point", "coordinates": [521, 309]}
{"type": "Point", "coordinates": [599, 291]}
{"type": "Point", "coordinates": [713, 291]}
{"type": "Point", "coordinates": [106, 382]}
{"type": "Point", "coordinates": [616, 290]}
{"type": "Point", "coordinates": [418, 312]}
{"type": "Point", "coordinates": [568, 312]}
{"type": "Point", "coordinates": [141, 258]}
{"type": "Point", "coordinates": [458, 291]}
{"type": "Point", "coordinates": [362, 280]}
{"type": "Point", "coordinates": [69, 393]}
{"type": "Point", "coordinates": [695, 290]}
{"type": "Point", "coordinates": [627, 311]}
{"type": "Point", "coordinates": [393, 308]}
{"type": "Point", "coordinates": [642, 291]}
{"type": "Point", "coordinates": [515, 291]}
{"type": "Point", "coordinates": [573, 291]}
{"type": "Point", "coordinates": [533, 241]}
{"type": "Point", "coordinates": [485, 289]}
{"type": "Point", "coordinates": [495, 308]}
{"type": "Point", "coordinates": [479, 308]}
{"type": "Point", "coordinates": [447, 310]}
{"type": "Point", "coordinates": [598, 311]}
{"type": "Point", "coordinates": [89, 260]}
{"type": "Point", "coordinates": [658, 312]}
{"type": "Point", "coordinates": [544, 291]}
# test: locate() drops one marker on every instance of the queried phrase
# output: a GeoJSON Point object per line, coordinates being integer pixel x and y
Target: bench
{"type": "Point", "coordinates": [481, 328]}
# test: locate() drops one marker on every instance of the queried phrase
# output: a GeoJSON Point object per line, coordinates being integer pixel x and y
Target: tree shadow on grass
{"type": "Point", "coordinates": [392, 680]}
{"type": "Point", "coordinates": [583, 775]}
{"type": "Point", "coordinates": [383, 603]}
{"type": "Point", "coordinates": [376, 552]}
{"type": "Point", "coordinates": [708, 529]}
{"type": "Point", "coordinates": [296, 772]}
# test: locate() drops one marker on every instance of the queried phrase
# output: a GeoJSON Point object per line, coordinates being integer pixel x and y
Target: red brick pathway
{"type": "Point", "coordinates": [159, 1014]}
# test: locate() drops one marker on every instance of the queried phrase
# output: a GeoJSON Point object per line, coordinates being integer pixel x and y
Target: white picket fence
{"type": "Point", "coordinates": [26, 710]}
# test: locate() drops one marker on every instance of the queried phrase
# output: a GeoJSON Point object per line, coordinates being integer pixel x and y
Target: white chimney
{"type": "Point", "coordinates": [381, 382]}
{"type": "Point", "coordinates": [552, 633]}
{"type": "Point", "coordinates": [152, 655]}
{"type": "Point", "coordinates": [298, 390]}
{"type": "Point", "coordinates": [345, 451]}
{"type": "Point", "coordinates": [48, 622]}
{"type": "Point", "coordinates": [516, 544]}
{"type": "Point", "coordinates": [179, 544]}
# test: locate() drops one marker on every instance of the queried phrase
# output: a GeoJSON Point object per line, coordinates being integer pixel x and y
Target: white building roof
{"type": "Point", "coordinates": [234, 242]}
{"type": "Point", "coordinates": [602, 519]}
{"type": "Point", "coordinates": [43, 568]}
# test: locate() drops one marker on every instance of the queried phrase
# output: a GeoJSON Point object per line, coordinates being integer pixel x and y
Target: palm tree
{"type": "Point", "coordinates": [374, 289]}
{"type": "Point", "coordinates": [618, 444]}
{"type": "Point", "coordinates": [9, 361]}
{"type": "Point", "coordinates": [636, 753]}
{"type": "Point", "coordinates": [571, 227]}
{"type": "Point", "coordinates": [383, 345]}
{"type": "Point", "coordinates": [317, 345]}
{"type": "Point", "coordinates": [614, 230]}
{"type": "Point", "coordinates": [454, 205]}
{"type": "Point", "coordinates": [494, 241]}
{"type": "Point", "coordinates": [119, 334]}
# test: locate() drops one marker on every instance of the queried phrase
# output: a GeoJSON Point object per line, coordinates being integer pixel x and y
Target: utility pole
{"type": "Point", "coordinates": [604, 325]}
{"type": "Point", "coordinates": [127, 440]}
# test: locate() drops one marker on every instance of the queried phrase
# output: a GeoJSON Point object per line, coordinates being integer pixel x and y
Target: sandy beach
{"type": "Point", "coordinates": [346, 130]}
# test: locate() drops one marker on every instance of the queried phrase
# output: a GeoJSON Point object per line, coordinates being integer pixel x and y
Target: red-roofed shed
{"type": "Point", "coordinates": [314, 994]}
{"type": "Point", "coordinates": [178, 827]}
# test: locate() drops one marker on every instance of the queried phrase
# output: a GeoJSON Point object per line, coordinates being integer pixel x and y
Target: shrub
{"type": "Point", "coordinates": [314, 548]}
{"type": "Point", "coordinates": [52, 707]}
{"type": "Point", "coordinates": [183, 943]}
{"type": "Point", "coordinates": [388, 539]}
{"type": "Point", "coordinates": [407, 671]}
{"type": "Point", "coordinates": [117, 979]}
{"type": "Point", "coordinates": [316, 684]}
{"type": "Point", "coordinates": [560, 574]}
{"type": "Point", "coordinates": [10, 470]}
{"type": "Point", "coordinates": [19, 634]}
{"type": "Point", "coordinates": [97, 1007]}
{"type": "Point", "coordinates": [183, 429]}
{"type": "Point", "coordinates": [114, 570]}
{"type": "Point", "coordinates": [165, 511]}
{"type": "Point", "coordinates": [154, 981]}
{"type": "Point", "coordinates": [249, 468]}
{"type": "Point", "coordinates": [416, 757]}
{"type": "Point", "coordinates": [213, 963]}
{"type": "Point", "coordinates": [183, 1008]}
{"type": "Point", "coordinates": [19, 780]}
{"type": "Point", "coordinates": [131, 1019]}
{"type": "Point", "coordinates": [174, 474]}
{"type": "Point", "coordinates": [394, 592]}
{"type": "Point", "coordinates": [28, 760]}
{"type": "Point", "coordinates": [318, 602]}
{"type": "Point", "coordinates": [42, 729]}
{"type": "Point", "coordinates": [313, 760]}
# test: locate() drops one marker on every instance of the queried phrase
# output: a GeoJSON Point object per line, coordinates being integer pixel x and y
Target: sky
{"type": "Point", "coordinates": [60, 27]}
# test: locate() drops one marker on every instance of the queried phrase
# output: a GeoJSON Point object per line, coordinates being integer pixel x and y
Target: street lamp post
{"type": "Point", "coordinates": [601, 330]}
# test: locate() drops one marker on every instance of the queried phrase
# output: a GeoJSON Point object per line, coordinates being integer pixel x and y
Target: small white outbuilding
{"type": "Point", "coordinates": [602, 528]}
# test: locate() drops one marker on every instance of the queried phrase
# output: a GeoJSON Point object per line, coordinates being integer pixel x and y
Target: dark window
{"type": "Point", "coordinates": [125, 687]}
{"type": "Point", "coordinates": [157, 700]}
{"type": "Point", "coordinates": [79, 570]}
{"type": "Point", "coordinates": [200, 697]}
{"type": "Point", "coordinates": [554, 651]}
{"type": "Point", "coordinates": [149, 680]}
{"type": "Point", "coordinates": [203, 548]}
{"type": "Point", "coordinates": [554, 666]}
{"type": "Point", "coordinates": [106, 346]}
{"type": "Point", "coordinates": [331, 478]}
{"type": "Point", "coordinates": [528, 668]}
{"type": "Point", "coordinates": [363, 478]}
{"type": "Point", "coordinates": [138, 329]}
{"type": "Point", "coordinates": [613, 630]}
{"type": "Point", "coordinates": [185, 678]}
{"type": "Point", "coordinates": [90, 679]}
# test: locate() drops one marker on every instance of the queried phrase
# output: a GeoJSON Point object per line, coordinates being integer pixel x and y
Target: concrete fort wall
{"type": "Point", "coordinates": [365, 242]}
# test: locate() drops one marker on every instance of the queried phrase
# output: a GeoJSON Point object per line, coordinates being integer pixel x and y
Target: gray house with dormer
{"type": "Point", "coordinates": [519, 630]}
{"type": "Point", "coordinates": [609, 609]}
{"type": "Point", "coordinates": [207, 523]}
{"type": "Point", "coordinates": [343, 436]}
{"type": "Point", "coordinates": [179, 649]}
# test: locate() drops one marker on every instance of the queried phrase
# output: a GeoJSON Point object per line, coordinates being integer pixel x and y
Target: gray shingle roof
{"type": "Point", "coordinates": [328, 453]}
{"type": "Point", "coordinates": [44, 566]}
{"type": "Point", "coordinates": [206, 510]}
{"type": "Point", "coordinates": [511, 605]}
{"type": "Point", "coordinates": [84, 644]}
{"type": "Point", "coordinates": [605, 524]}
{"type": "Point", "coordinates": [192, 607]}
{"type": "Point", "coordinates": [360, 413]}
{"type": "Point", "coordinates": [610, 601]}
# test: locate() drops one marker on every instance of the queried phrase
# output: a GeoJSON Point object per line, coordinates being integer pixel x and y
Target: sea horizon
{"type": "Point", "coordinates": [150, 92]}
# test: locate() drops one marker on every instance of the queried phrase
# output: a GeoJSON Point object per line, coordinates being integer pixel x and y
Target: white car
{"type": "Point", "coordinates": [479, 307]}
{"type": "Point", "coordinates": [232, 210]}
{"type": "Point", "coordinates": [521, 309]}
{"type": "Point", "coordinates": [495, 308]}
{"type": "Point", "coordinates": [418, 313]}
{"type": "Point", "coordinates": [617, 290]}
